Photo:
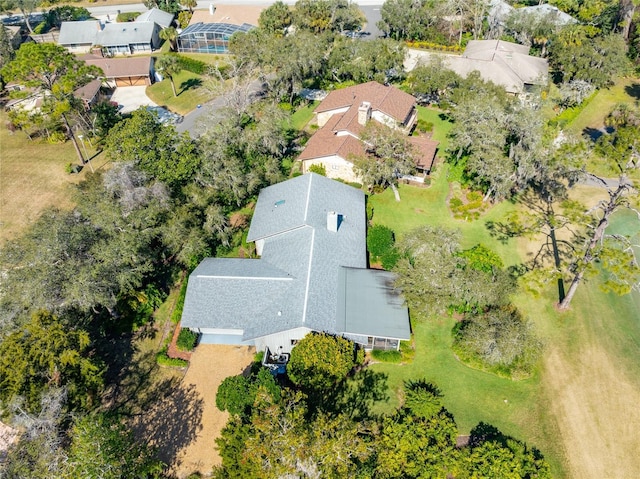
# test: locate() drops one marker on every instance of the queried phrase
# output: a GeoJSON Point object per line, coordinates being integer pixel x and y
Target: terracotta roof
{"type": "Point", "coordinates": [233, 14]}
{"type": "Point", "coordinates": [326, 143]}
{"type": "Point", "coordinates": [427, 149]}
{"type": "Point", "coordinates": [120, 67]}
{"type": "Point", "coordinates": [387, 99]}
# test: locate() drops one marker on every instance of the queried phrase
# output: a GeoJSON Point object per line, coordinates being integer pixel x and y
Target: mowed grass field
{"type": "Point", "coordinates": [32, 178]}
{"type": "Point", "coordinates": [580, 407]}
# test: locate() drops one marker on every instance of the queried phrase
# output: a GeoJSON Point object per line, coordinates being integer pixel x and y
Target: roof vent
{"type": "Point", "coordinates": [333, 221]}
{"type": "Point", "coordinates": [278, 203]}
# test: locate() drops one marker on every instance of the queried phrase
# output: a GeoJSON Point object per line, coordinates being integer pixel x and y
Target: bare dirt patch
{"type": "Point", "coordinates": [209, 365]}
{"type": "Point", "coordinates": [596, 410]}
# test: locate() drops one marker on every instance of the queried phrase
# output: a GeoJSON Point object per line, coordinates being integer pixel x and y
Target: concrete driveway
{"type": "Point", "coordinates": [131, 98]}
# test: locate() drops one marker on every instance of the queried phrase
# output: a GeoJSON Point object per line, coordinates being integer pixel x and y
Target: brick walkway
{"type": "Point", "coordinates": [173, 351]}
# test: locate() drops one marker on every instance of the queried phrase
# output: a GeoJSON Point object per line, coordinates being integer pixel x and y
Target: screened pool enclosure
{"type": "Point", "coordinates": [209, 37]}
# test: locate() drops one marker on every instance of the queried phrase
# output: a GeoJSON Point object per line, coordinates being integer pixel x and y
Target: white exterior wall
{"type": "Point", "coordinates": [281, 342]}
{"type": "Point", "coordinates": [323, 117]}
{"type": "Point", "coordinates": [384, 119]}
{"type": "Point", "coordinates": [336, 167]}
{"type": "Point", "coordinates": [82, 48]}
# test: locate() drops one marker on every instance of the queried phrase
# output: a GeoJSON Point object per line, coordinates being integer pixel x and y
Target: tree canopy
{"type": "Point", "coordinates": [52, 70]}
{"type": "Point", "coordinates": [319, 360]}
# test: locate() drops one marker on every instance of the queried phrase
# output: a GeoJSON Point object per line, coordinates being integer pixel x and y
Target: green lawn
{"type": "Point", "coordinates": [189, 89]}
{"type": "Point", "coordinates": [588, 378]}
{"type": "Point", "coordinates": [302, 116]}
{"type": "Point", "coordinates": [593, 115]}
{"type": "Point", "coordinates": [427, 206]}
{"type": "Point", "coordinates": [441, 126]}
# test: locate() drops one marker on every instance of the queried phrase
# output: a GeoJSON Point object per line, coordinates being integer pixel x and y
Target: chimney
{"type": "Point", "coordinates": [333, 221]}
{"type": "Point", "coordinates": [212, 9]}
{"type": "Point", "coordinates": [364, 113]}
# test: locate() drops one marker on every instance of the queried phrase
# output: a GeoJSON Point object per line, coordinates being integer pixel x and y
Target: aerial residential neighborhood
{"type": "Point", "coordinates": [319, 239]}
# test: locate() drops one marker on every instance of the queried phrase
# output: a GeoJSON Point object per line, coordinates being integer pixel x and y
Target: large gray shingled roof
{"type": "Point", "coordinates": [296, 281]}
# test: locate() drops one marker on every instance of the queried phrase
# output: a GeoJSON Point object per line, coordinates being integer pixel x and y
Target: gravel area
{"type": "Point", "coordinates": [210, 365]}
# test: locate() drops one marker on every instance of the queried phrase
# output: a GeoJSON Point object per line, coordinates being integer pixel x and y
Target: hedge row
{"type": "Point", "coordinates": [434, 46]}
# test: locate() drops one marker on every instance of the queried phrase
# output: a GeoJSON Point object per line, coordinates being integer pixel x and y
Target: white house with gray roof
{"type": "Point", "coordinates": [310, 234]}
{"type": "Point", "coordinates": [160, 17]}
{"type": "Point", "coordinates": [114, 38]}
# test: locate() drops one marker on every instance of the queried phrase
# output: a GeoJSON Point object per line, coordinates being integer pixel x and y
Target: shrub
{"type": "Point", "coordinates": [127, 17]}
{"type": "Point", "coordinates": [57, 138]}
{"type": "Point", "coordinates": [499, 340]}
{"type": "Point", "coordinates": [177, 311]}
{"type": "Point", "coordinates": [236, 394]}
{"type": "Point", "coordinates": [319, 169]}
{"type": "Point", "coordinates": [369, 209]}
{"type": "Point", "coordinates": [41, 28]}
{"type": "Point", "coordinates": [380, 240]}
{"type": "Point", "coordinates": [390, 258]}
{"type": "Point", "coordinates": [424, 126]}
{"type": "Point", "coordinates": [163, 360]}
{"type": "Point", "coordinates": [186, 340]}
{"type": "Point", "coordinates": [392, 356]}
{"type": "Point", "coordinates": [192, 65]}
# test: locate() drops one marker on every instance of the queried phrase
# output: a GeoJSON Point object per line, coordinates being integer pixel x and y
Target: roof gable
{"type": "Point", "coordinates": [295, 282]}
{"type": "Point", "coordinates": [78, 33]}
{"type": "Point", "coordinates": [160, 17]}
{"type": "Point", "coordinates": [387, 99]}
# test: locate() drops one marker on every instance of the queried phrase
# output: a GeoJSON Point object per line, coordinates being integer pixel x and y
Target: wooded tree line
{"type": "Point", "coordinates": [322, 426]}
{"type": "Point", "coordinates": [79, 279]}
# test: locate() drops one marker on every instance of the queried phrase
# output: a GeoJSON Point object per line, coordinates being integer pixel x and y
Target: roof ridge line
{"type": "Point", "coordinates": [306, 288]}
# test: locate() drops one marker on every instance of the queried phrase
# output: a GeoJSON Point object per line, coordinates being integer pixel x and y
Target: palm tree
{"type": "Point", "coordinates": [169, 66]}
{"type": "Point", "coordinates": [170, 34]}
{"type": "Point", "coordinates": [190, 4]}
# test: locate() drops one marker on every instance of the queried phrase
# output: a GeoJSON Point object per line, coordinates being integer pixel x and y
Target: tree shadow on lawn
{"type": "Point", "coordinates": [353, 397]}
{"type": "Point", "coordinates": [633, 90]}
{"type": "Point", "coordinates": [164, 412]}
{"type": "Point", "coordinates": [171, 420]}
{"type": "Point", "coordinates": [189, 84]}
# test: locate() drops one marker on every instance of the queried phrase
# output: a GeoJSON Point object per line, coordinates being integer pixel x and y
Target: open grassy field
{"type": "Point", "coordinates": [33, 178]}
{"type": "Point", "coordinates": [580, 408]}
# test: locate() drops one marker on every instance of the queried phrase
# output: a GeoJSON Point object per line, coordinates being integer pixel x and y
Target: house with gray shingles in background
{"type": "Point", "coordinates": [79, 37]}
{"type": "Point", "coordinates": [504, 63]}
{"type": "Point", "coordinates": [159, 17]}
{"type": "Point", "coordinates": [310, 235]}
{"type": "Point", "coordinates": [141, 36]}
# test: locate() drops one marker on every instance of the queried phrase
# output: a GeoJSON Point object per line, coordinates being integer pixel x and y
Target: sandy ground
{"type": "Point", "coordinates": [597, 414]}
{"type": "Point", "coordinates": [209, 365]}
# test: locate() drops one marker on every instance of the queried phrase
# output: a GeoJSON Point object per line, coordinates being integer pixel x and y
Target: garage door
{"type": "Point", "coordinates": [132, 81]}
{"type": "Point", "coordinates": [231, 339]}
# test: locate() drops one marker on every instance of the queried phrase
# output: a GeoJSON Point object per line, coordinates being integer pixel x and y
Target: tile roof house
{"type": "Point", "coordinates": [310, 234]}
{"type": "Point", "coordinates": [343, 114]}
{"type": "Point", "coordinates": [503, 63]}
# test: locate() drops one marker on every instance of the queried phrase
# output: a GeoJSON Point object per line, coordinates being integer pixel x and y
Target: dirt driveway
{"type": "Point", "coordinates": [209, 365]}
{"type": "Point", "coordinates": [131, 98]}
